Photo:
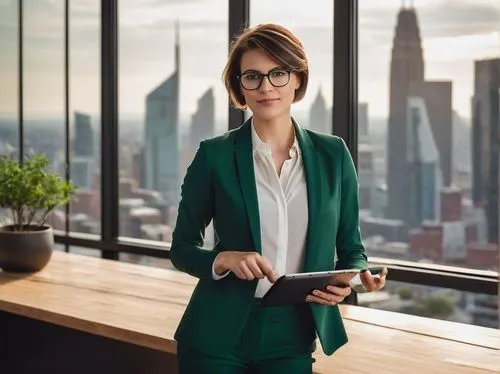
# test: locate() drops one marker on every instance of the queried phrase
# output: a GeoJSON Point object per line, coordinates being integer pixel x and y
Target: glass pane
{"type": "Point", "coordinates": [429, 78]}
{"type": "Point", "coordinates": [313, 25]}
{"type": "Point", "coordinates": [9, 92]}
{"type": "Point", "coordinates": [85, 124]}
{"type": "Point", "coordinates": [147, 260]}
{"type": "Point", "coordinates": [43, 85]}
{"type": "Point", "coordinates": [43, 68]}
{"type": "Point", "coordinates": [84, 251]}
{"type": "Point", "coordinates": [171, 97]}
{"type": "Point", "coordinates": [435, 302]}
{"type": "Point", "coordinates": [59, 247]}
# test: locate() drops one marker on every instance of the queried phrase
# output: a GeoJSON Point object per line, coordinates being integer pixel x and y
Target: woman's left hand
{"type": "Point", "coordinates": [373, 282]}
{"type": "Point", "coordinates": [333, 295]}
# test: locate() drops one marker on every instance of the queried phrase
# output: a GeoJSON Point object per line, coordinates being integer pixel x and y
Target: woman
{"type": "Point", "coordinates": [282, 198]}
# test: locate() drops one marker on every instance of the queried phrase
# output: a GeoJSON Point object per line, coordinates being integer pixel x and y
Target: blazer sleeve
{"type": "Point", "coordinates": [194, 214]}
{"type": "Point", "coordinates": [350, 250]}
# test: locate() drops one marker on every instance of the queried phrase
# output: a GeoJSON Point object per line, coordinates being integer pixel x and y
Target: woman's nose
{"type": "Point", "coordinates": [266, 84]}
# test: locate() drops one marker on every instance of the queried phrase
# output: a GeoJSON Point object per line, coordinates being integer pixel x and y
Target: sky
{"type": "Point", "coordinates": [454, 34]}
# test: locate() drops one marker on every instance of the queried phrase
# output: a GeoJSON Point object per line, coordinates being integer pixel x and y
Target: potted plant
{"type": "Point", "coordinates": [29, 191]}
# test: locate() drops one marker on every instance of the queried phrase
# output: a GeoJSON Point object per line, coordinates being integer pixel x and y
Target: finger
{"type": "Point", "coordinates": [380, 282]}
{"type": "Point", "coordinates": [319, 300]}
{"type": "Point", "coordinates": [330, 297]}
{"type": "Point", "coordinates": [239, 274]}
{"type": "Point", "coordinates": [267, 269]}
{"type": "Point", "coordinates": [366, 276]}
{"type": "Point", "coordinates": [368, 280]}
{"type": "Point", "coordinates": [272, 276]}
{"type": "Point", "coordinates": [341, 291]}
{"type": "Point", "coordinates": [246, 271]}
{"type": "Point", "coordinates": [371, 286]}
{"type": "Point", "coordinates": [255, 269]}
{"type": "Point", "coordinates": [265, 266]}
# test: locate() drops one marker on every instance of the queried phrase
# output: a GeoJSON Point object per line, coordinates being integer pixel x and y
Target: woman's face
{"type": "Point", "coordinates": [266, 102]}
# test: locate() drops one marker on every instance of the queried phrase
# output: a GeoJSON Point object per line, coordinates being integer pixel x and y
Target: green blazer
{"type": "Point", "coordinates": [220, 185]}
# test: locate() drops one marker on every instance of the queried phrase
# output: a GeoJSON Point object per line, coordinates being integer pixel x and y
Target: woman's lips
{"type": "Point", "coordinates": [267, 101]}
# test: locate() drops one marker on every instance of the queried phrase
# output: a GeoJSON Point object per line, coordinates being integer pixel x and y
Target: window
{"type": "Point", "coordinates": [171, 57]}
{"type": "Point", "coordinates": [435, 302]}
{"type": "Point", "coordinates": [428, 90]}
{"type": "Point", "coordinates": [147, 261]}
{"type": "Point", "coordinates": [313, 25]}
{"type": "Point", "coordinates": [43, 93]}
{"type": "Point", "coordinates": [44, 97]}
{"type": "Point", "coordinates": [84, 251]}
{"type": "Point", "coordinates": [9, 76]}
{"type": "Point", "coordinates": [43, 83]}
{"type": "Point", "coordinates": [84, 115]}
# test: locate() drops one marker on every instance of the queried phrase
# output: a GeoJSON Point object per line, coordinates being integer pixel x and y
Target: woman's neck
{"type": "Point", "coordinates": [278, 133]}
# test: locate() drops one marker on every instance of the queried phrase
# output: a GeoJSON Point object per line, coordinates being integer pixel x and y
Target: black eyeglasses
{"type": "Point", "coordinates": [252, 80]}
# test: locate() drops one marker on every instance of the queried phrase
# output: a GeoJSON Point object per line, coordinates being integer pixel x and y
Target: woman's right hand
{"type": "Point", "coordinates": [245, 265]}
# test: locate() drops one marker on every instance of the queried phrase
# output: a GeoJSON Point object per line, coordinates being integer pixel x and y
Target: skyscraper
{"type": "Point", "coordinates": [318, 115]}
{"type": "Point", "coordinates": [363, 131]}
{"type": "Point", "coordinates": [407, 79]}
{"type": "Point", "coordinates": [485, 143]}
{"type": "Point", "coordinates": [84, 136]}
{"type": "Point", "coordinates": [438, 101]}
{"type": "Point", "coordinates": [138, 170]}
{"type": "Point", "coordinates": [424, 166]}
{"type": "Point", "coordinates": [366, 175]}
{"type": "Point", "coordinates": [81, 169]}
{"type": "Point", "coordinates": [203, 120]}
{"type": "Point", "coordinates": [161, 150]}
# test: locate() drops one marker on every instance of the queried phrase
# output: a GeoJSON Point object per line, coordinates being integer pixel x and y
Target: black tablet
{"type": "Point", "coordinates": [293, 288]}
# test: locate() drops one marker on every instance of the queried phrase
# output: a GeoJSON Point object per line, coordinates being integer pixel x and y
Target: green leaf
{"type": "Point", "coordinates": [30, 190]}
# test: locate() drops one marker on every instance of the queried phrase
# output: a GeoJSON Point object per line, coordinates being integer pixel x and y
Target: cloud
{"type": "Point", "coordinates": [441, 18]}
{"type": "Point", "coordinates": [8, 24]}
{"type": "Point", "coordinates": [451, 18]}
{"type": "Point", "coordinates": [166, 27]}
{"type": "Point", "coordinates": [454, 33]}
{"type": "Point", "coordinates": [149, 3]}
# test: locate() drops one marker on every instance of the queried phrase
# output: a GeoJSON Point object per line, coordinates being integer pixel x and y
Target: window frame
{"type": "Point", "coordinates": [345, 125]}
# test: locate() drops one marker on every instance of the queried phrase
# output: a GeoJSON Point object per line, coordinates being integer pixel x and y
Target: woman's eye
{"type": "Point", "coordinates": [251, 77]}
{"type": "Point", "coordinates": [278, 73]}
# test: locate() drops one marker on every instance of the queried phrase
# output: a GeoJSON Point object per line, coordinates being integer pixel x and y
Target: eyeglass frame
{"type": "Point", "coordinates": [262, 75]}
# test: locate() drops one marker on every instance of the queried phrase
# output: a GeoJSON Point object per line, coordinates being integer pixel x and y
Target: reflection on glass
{"type": "Point", "coordinates": [313, 25]}
{"type": "Point", "coordinates": [85, 147]}
{"type": "Point", "coordinates": [44, 100]}
{"type": "Point", "coordinates": [9, 76]}
{"type": "Point", "coordinates": [146, 260]}
{"type": "Point", "coordinates": [43, 68]}
{"type": "Point", "coordinates": [43, 86]}
{"type": "Point", "coordinates": [429, 78]}
{"type": "Point", "coordinates": [434, 302]}
{"type": "Point", "coordinates": [84, 251]}
{"type": "Point", "coordinates": [171, 98]}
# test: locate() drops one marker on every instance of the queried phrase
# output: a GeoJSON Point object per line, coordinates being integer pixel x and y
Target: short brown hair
{"type": "Point", "coordinates": [278, 43]}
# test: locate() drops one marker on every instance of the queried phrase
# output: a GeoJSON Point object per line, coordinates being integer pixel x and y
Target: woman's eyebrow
{"type": "Point", "coordinates": [251, 71]}
{"type": "Point", "coordinates": [260, 72]}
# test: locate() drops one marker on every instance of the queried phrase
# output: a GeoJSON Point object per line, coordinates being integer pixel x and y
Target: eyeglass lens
{"type": "Point", "coordinates": [253, 80]}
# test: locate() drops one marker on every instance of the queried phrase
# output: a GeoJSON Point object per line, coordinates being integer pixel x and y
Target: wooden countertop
{"type": "Point", "coordinates": [143, 305]}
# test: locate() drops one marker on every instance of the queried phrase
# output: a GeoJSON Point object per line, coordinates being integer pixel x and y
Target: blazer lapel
{"type": "Point", "coordinates": [314, 179]}
{"type": "Point", "coordinates": [246, 177]}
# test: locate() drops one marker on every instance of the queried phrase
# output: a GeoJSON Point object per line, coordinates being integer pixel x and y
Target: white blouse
{"type": "Point", "coordinates": [283, 210]}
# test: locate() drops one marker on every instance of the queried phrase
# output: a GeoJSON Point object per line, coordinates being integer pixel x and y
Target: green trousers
{"type": "Point", "coordinates": [275, 340]}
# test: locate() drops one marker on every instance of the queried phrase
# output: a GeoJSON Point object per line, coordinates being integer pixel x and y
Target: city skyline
{"type": "Point", "coordinates": [158, 98]}
{"type": "Point", "coordinates": [454, 34]}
